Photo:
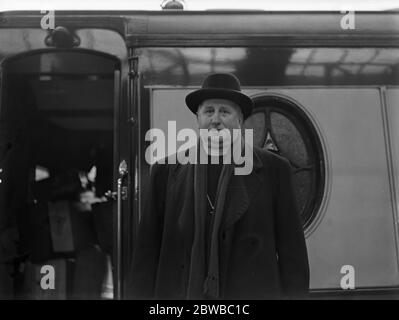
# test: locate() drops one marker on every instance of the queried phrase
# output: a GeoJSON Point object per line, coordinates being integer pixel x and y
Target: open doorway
{"type": "Point", "coordinates": [57, 149]}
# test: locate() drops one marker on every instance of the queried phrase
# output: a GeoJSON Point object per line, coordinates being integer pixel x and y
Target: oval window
{"type": "Point", "coordinates": [280, 126]}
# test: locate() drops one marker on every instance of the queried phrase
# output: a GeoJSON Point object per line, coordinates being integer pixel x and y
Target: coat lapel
{"type": "Point", "coordinates": [181, 186]}
{"type": "Point", "coordinates": [241, 190]}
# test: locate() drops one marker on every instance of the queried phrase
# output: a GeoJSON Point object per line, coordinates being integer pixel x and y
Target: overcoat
{"type": "Point", "coordinates": [262, 249]}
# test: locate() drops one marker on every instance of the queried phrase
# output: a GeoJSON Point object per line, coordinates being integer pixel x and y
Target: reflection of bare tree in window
{"type": "Point", "coordinates": [264, 66]}
{"type": "Point", "coordinates": [168, 60]}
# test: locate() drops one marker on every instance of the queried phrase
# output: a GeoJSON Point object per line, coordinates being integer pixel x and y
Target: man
{"type": "Point", "coordinates": [208, 233]}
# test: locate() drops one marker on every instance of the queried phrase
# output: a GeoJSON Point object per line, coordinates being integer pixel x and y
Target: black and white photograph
{"type": "Point", "coordinates": [203, 151]}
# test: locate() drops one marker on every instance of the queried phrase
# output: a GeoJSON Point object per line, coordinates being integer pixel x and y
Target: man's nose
{"type": "Point", "coordinates": [215, 120]}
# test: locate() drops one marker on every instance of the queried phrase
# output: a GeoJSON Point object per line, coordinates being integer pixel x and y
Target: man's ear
{"type": "Point", "coordinates": [241, 120]}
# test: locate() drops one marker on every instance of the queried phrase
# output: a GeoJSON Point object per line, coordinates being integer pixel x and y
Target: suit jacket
{"type": "Point", "coordinates": [262, 247]}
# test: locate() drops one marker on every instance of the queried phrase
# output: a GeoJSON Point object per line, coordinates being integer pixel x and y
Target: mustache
{"type": "Point", "coordinates": [218, 132]}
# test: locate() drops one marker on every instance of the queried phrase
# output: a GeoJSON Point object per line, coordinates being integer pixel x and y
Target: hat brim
{"type": "Point", "coordinates": [195, 98]}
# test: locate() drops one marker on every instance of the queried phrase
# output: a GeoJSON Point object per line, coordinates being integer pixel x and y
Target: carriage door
{"type": "Point", "coordinates": [63, 175]}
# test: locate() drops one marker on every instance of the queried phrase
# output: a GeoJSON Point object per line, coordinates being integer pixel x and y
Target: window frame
{"type": "Point", "coordinates": [269, 103]}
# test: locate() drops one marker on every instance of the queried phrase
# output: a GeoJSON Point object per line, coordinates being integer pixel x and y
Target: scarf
{"type": "Point", "coordinates": [204, 281]}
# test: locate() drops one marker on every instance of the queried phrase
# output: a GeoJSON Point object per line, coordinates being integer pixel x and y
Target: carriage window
{"type": "Point", "coordinates": [283, 128]}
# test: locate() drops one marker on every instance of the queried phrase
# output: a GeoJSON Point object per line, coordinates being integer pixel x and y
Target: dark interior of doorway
{"type": "Point", "coordinates": [56, 152]}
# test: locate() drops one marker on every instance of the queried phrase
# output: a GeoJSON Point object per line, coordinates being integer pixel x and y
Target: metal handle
{"type": "Point", "coordinates": [119, 240]}
{"type": "Point", "coordinates": [121, 195]}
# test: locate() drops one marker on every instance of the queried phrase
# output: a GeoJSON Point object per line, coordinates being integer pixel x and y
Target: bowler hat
{"type": "Point", "coordinates": [220, 86]}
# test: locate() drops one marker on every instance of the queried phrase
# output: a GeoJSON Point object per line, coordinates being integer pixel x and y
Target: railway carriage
{"type": "Point", "coordinates": [78, 97]}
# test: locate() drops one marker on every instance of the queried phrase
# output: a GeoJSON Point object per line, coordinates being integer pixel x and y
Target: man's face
{"type": "Point", "coordinates": [219, 114]}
